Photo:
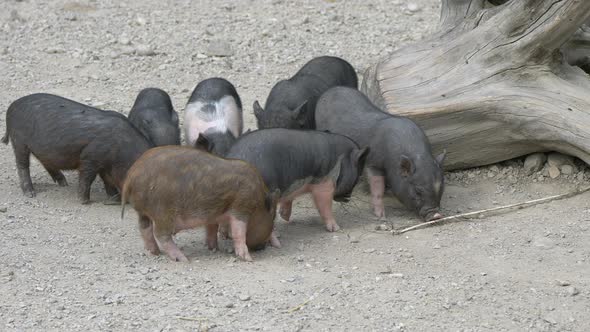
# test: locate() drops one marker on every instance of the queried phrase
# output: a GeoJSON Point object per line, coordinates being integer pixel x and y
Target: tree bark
{"type": "Point", "coordinates": [493, 84]}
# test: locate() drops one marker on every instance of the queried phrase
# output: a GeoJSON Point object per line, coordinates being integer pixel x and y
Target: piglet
{"type": "Point", "coordinates": [153, 115]}
{"type": "Point", "coordinates": [214, 112]}
{"type": "Point", "coordinates": [297, 162]}
{"type": "Point", "coordinates": [65, 135]}
{"type": "Point", "coordinates": [291, 102]}
{"type": "Point", "coordinates": [174, 188]}
{"type": "Point", "coordinates": [400, 156]}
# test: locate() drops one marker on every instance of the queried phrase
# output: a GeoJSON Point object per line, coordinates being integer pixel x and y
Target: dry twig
{"type": "Point", "coordinates": [499, 208]}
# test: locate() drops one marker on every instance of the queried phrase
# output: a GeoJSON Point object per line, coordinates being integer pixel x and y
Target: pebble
{"type": "Point", "coordinates": [229, 305]}
{"type": "Point", "coordinates": [382, 227]}
{"type": "Point", "coordinates": [567, 169]}
{"type": "Point", "coordinates": [244, 297]}
{"type": "Point", "coordinates": [512, 179]}
{"type": "Point", "coordinates": [3, 210]}
{"type": "Point", "coordinates": [219, 48]}
{"type": "Point", "coordinates": [562, 283]}
{"type": "Point", "coordinates": [144, 50]}
{"type": "Point", "coordinates": [412, 7]}
{"type": "Point", "coordinates": [201, 56]}
{"type": "Point", "coordinates": [534, 162]}
{"type": "Point", "coordinates": [558, 159]}
{"type": "Point", "coordinates": [572, 291]}
{"type": "Point", "coordinates": [124, 40]}
{"type": "Point", "coordinates": [140, 20]}
{"type": "Point", "coordinates": [54, 50]}
{"type": "Point", "coordinates": [554, 172]}
{"type": "Point", "coordinates": [71, 17]}
{"type": "Point", "coordinates": [370, 250]}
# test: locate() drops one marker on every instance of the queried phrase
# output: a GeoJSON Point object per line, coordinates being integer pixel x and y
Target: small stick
{"type": "Point", "coordinates": [299, 307]}
{"type": "Point", "coordinates": [475, 213]}
{"type": "Point", "coordinates": [192, 319]}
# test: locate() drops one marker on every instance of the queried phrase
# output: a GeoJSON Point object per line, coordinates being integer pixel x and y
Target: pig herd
{"type": "Point", "coordinates": [316, 134]}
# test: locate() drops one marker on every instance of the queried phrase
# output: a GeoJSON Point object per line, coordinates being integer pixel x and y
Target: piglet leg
{"type": "Point", "coordinates": [22, 155]}
{"type": "Point", "coordinates": [163, 235]}
{"type": "Point", "coordinates": [57, 176]}
{"type": "Point", "coordinates": [285, 210]}
{"type": "Point", "coordinates": [238, 232]}
{"type": "Point", "coordinates": [146, 229]}
{"type": "Point", "coordinates": [274, 239]}
{"type": "Point", "coordinates": [87, 174]}
{"type": "Point", "coordinates": [323, 194]}
{"type": "Point", "coordinates": [377, 184]}
{"type": "Point", "coordinates": [114, 198]}
{"type": "Point", "coordinates": [212, 236]}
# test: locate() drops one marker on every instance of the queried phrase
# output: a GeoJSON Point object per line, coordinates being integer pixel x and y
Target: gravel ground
{"type": "Point", "coordinates": [64, 266]}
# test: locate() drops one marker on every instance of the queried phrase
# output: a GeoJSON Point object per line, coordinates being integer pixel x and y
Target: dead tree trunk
{"type": "Point", "coordinates": [493, 84]}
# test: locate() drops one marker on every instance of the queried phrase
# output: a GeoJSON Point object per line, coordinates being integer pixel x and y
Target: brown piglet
{"type": "Point", "coordinates": [174, 188]}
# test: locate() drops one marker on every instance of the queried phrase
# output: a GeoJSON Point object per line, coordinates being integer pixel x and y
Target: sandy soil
{"type": "Point", "coordinates": [67, 267]}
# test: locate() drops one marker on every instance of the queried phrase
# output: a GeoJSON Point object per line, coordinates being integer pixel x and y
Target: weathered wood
{"type": "Point", "coordinates": [492, 85]}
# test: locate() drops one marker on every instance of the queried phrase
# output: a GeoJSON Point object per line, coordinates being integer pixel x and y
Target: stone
{"type": "Point", "coordinates": [562, 283]}
{"type": "Point", "coordinates": [144, 50]}
{"type": "Point", "coordinates": [124, 40]}
{"type": "Point", "coordinates": [558, 159]}
{"type": "Point", "coordinates": [572, 291]}
{"type": "Point", "coordinates": [534, 162]}
{"type": "Point", "coordinates": [554, 172]}
{"type": "Point", "coordinates": [413, 7]}
{"type": "Point", "coordinates": [567, 170]}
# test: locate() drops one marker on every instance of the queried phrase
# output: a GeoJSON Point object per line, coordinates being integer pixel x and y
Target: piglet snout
{"type": "Point", "coordinates": [435, 216]}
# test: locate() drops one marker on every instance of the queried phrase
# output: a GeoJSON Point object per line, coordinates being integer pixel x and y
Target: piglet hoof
{"type": "Point", "coordinates": [179, 258]}
{"type": "Point", "coordinates": [379, 212]}
{"type": "Point", "coordinates": [113, 200]}
{"type": "Point", "coordinates": [30, 193]}
{"type": "Point", "coordinates": [84, 201]}
{"type": "Point", "coordinates": [243, 253]}
{"type": "Point", "coordinates": [153, 250]}
{"type": "Point", "coordinates": [332, 227]}
{"type": "Point", "coordinates": [212, 245]}
{"type": "Point", "coordinates": [274, 241]}
{"type": "Point", "coordinates": [435, 216]}
{"type": "Point", "coordinates": [62, 182]}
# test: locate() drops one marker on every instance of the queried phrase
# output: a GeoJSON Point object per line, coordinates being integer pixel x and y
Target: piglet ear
{"type": "Point", "coordinates": [300, 114]}
{"type": "Point", "coordinates": [441, 157]}
{"type": "Point", "coordinates": [406, 166]}
{"type": "Point", "coordinates": [360, 157]}
{"type": "Point", "coordinates": [202, 143]}
{"type": "Point", "coordinates": [258, 110]}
